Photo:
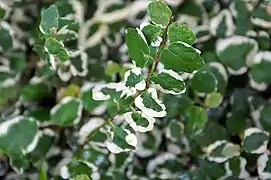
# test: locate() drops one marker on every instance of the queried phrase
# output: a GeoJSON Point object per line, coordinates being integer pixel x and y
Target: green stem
{"type": "Point", "coordinates": [156, 58]}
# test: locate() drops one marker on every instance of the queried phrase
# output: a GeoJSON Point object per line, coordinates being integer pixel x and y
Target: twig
{"type": "Point", "coordinates": [154, 65]}
{"type": "Point", "coordinates": [156, 58]}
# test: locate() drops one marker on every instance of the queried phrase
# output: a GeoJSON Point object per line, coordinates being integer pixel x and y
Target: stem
{"type": "Point", "coordinates": [156, 58]}
{"type": "Point", "coordinates": [153, 68]}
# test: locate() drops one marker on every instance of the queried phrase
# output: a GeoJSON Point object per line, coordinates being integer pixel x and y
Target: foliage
{"type": "Point", "coordinates": [102, 89]}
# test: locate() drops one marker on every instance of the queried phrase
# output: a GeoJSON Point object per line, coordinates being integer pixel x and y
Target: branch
{"type": "Point", "coordinates": [154, 65]}
{"type": "Point", "coordinates": [156, 58]}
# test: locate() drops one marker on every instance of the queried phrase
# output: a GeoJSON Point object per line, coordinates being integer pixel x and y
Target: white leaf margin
{"type": "Point", "coordinates": [209, 149]}
{"type": "Point", "coordinates": [174, 75]}
{"type": "Point", "coordinates": [243, 172]}
{"type": "Point", "coordinates": [250, 131]}
{"type": "Point", "coordinates": [262, 162]}
{"type": "Point", "coordinates": [215, 22]}
{"type": "Point", "coordinates": [89, 127]}
{"type": "Point", "coordinates": [150, 112]}
{"type": "Point", "coordinates": [223, 44]}
{"type": "Point", "coordinates": [130, 139]}
{"type": "Point", "coordinates": [137, 71]}
{"type": "Point", "coordinates": [128, 118]}
{"type": "Point", "coordinates": [100, 96]}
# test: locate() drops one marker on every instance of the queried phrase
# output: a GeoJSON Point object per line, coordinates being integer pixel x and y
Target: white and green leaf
{"type": "Point", "coordinates": [49, 20]}
{"type": "Point", "coordinates": [102, 92]}
{"type": "Point", "coordinates": [138, 48]}
{"type": "Point", "coordinates": [237, 52]}
{"type": "Point", "coordinates": [152, 33]}
{"type": "Point", "coordinates": [261, 67]}
{"type": "Point", "coordinates": [221, 150]}
{"type": "Point", "coordinates": [181, 57]}
{"type": "Point", "coordinates": [139, 121]}
{"type": "Point", "coordinates": [56, 48]}
{"type": "Point", "coordinates": [149, 104]}
{"type": "Point", "coordinates": [18, 135]}
{"type": "Point", "coordinates": [203, 82]}
{"type": "Point", "coordinates": [255, 140]}
{"type": "Point", "coordinates": [121, 140]}
{"type": "Point", "coordinates": [168, 81]}
{"type": "Point", "coordinates": [67, 112]}
{"type": "Point", "coordinates": [175, 130]}
{"type": "Point", "coordinates": [159, 13]}
{"type": "Point", "coordinates": [134, 79]}
{"type": "Point", "coordinates": [222, 25]}
{"type": "Point", "coordinates": [197, 120]}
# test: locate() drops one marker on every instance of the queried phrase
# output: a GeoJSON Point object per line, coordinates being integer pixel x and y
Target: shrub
{"type": "Point", "coordinates": [135, 89]}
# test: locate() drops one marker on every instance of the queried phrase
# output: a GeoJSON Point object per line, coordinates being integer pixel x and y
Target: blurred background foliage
{"type": "Point", "coordinates": [233, 90]}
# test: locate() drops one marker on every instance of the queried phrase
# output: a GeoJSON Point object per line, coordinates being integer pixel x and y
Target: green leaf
{"type": "Point", "coordinates": [18, 135]}
{"type": "Point", "coordinates": [149, 104]}
{"type": "Point", "coordinates": [45, 56]}
{"type": "Point", "coordinates": [67, 112]}
{"type": "Point", "coordinates": [180, 56]}
{"type": "Point", "coordinates": [151, 32]}
{"type": "Point", "coordinates": [221, 151]}
{"type": "Point", "coordinates": [197, 120]}
{"type": "Point", "coordinates": [89, 104]}
{"type": "Point", "coordinates": [231, 150]}
{"type": "Point", "coordinates": [44, 144]}
{"type": "Point", "coordinates": [108, 91]}
{"type": "Point", "coordinates": [239, 101]}
{"type": "Point", "coordinates": [176, 106]}
{"type": "Point", "coordinates": [168, 81]}
{"type": "Point", "coordinates": [237, 167]}
{"type": "Point", "coordinates": [82, 177]}
{"type": "Point", "coordinates": [159, 13]}
{"type": "Point", "coordinates": [18, 61]}
{"type": "Point", "coordinates": [121, 160]}
{"type": "Point", "coordinates": [121, 140]}
{"type": "Point", "coordinates": [261, 16]}
{"type": "Point", "coordinates": [134, 79]}
{"type": "Point", "coordinates": [139, 121]}
{"type": "Point", "coordinates": [175, 130]}
{"type": "Point", "coordinates": [220, 73]}
{"type": "Point", "coordinates": [49, 20]}
{"type": "Point", "coordinates": [211, 133]}
{"type": "Point", "coordinates": [213, 100]}
{"type": "Point", "coordinates": [265, 117]}
{"type": "Point", "coordinates": [255, 140]}
{"type": "Point", "coordinates": [2, 12]}
{"type": "Point", "coordinates": [261, 67]}
{"type": "Point", "coordinates": [212, 169]}
{"type": "Point", "coordinates": [203, 82]}
{"type": "Point", "coordinates": [19, 163]}
{"type": "Point", "coordinates": [97, 157]}
{"type": "Point", "coordinates": [6, 42]}
{"type": "Point", "coordinates": [263, 40]}
{"type": "Point", "coordinates": [34, 92]}
{"type": "Point", "coordinates": [137, 47]}
{"type": "Point", "coordinates": [56, 48]}
{"type": "Point", "coordinates": [77, 167]}
{"type": "Point", "coordinates": [182, 33]}
{"type": "Point", "coordinates": [236, 124]}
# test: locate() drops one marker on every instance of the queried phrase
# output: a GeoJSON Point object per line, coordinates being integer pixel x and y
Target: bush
{"type": "Point", "coordinates": [120, 90]}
